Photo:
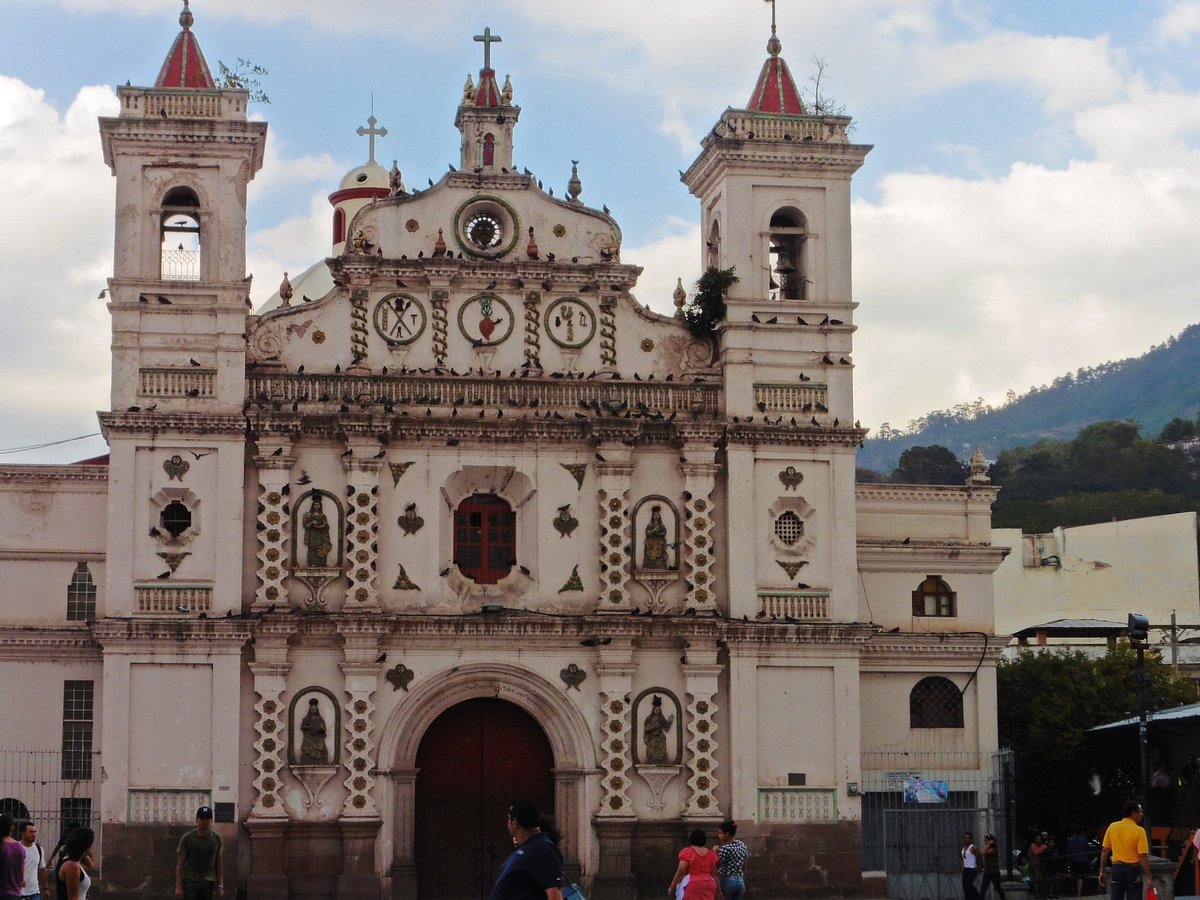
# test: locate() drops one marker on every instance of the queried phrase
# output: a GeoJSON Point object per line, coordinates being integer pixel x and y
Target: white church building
{"type": "Point", "coordinates": [456, 519]}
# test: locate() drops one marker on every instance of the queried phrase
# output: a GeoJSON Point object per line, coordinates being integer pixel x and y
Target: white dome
{"type": "Point", "coordinates": [371, 174]}
{"type": "Point", "coordinates": [314, 282]}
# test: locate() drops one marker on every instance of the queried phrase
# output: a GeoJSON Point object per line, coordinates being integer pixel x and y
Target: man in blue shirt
{"type": "Point", "coordinates": [534, 870]}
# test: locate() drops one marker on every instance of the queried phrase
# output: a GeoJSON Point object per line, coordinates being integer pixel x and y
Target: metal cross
{"type": "Point", "coordinates": [370, 133]}
{"type": "Point", "coordinates": [772, 2]}
{"type": "Point", "coordinates": [487, 39]}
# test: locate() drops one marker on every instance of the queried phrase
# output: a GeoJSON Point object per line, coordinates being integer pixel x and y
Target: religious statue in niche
{"type": "Point", "coordinates": [654, 735]}
{"type": "Point", "coordinates": [314, 729]}
{"type": "Point", "coordinates": [654, 541]}
{"type": "Point", "coordinates": [316, 534]}
{"type": "Point", "coordinates": [313, 749]}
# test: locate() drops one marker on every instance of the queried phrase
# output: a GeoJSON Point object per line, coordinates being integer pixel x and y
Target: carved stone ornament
{"type": "Point", "coordinates": [792, 568]}
{"type": "Point", "coordinates": [790, 478]}
{"type": "Point", "coordinates": [313, 779]}
{"type": "Point", "coordinates": [176, 467]}
{"type": "Point", "coordinates": [317, 580]}
{"type": "Point", "coordinates": [577, 470]}
{"type": "Point", "coordinates": [564, 522]}
{"type": "Point", "coordinates": [404, 583]}
{"type": "Point", "coordinates": [398, 469]}
{"type": "Point", "coordinates": [173, 559]}
{"type": "Point", "coordinates": [410, 523]}
{"type": "Point", "coordinates": [572, 676]}
{"type": "Point", "coordinates": [574, 583]}
{"type": "Point", "coordinates": [399, 677]}
{"type": "Point", "coordinates": [657, 777]}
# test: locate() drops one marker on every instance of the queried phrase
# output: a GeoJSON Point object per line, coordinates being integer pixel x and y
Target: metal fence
{"type": "Point", "coordinates": [916, 806]}
{"type": "Point", "coordinates": [34, 787]}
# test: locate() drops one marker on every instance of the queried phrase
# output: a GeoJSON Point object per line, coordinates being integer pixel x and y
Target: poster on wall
{"type": "Point", "coordinates": [925, 790]}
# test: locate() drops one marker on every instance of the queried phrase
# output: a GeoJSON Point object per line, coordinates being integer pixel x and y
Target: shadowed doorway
{"type": "Point", "coordinates": [474, 760]}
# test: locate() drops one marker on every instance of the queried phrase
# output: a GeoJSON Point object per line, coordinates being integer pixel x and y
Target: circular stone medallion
{"type": "Point", "coordinates": [570, 323]}
{"type": "Point", "coordinates": [399, 319]}
{"type": "Point", "coordinates": [485, 320]}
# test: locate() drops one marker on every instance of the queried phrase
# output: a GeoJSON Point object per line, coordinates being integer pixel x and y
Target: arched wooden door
{"type": "Point", "coordinates": [475, 759]}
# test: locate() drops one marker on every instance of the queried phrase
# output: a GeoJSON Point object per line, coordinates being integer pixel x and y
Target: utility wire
{"type": "Point", "coordinates": [48, 444]}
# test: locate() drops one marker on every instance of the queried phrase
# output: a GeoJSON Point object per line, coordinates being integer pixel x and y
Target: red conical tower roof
{"type": "Point", "coordinates": [775, 91]}
{"type": "Point", "coordinates": [184, 66]}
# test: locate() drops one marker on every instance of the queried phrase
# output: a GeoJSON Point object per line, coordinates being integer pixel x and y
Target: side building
{"type": "Point", "coordinates": [469, 523]}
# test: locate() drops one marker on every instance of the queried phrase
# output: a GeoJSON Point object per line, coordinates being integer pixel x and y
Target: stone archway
{"type": "Point", "coordinates": [570, 739]}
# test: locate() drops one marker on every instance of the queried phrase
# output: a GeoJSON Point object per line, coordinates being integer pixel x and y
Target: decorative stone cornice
{"type": "Point", "coordinates": [880, 555]}
{"type": "Point", "coordinates": [925, 652]}
{"type": "Point", "coordinates": [174, 637]}
{"type": "Point", "coordinates": [47, 555]}
{"type": "Point", "coordinates": [180, 422]}
{"type": "Point", "coordinates": [926, 493]}
{"type": "Point", "coordinates": [34, 475]}
{"type": "Point", "coordinates": [785, 435]}
{"type": "Point", "coordinates": [33, 643]}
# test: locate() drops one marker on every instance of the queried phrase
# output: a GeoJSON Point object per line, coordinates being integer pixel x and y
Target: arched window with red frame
{"type": "Point", "coordinates": [485, 542]}
{"type": "Point", "coordinates": [339, 225]}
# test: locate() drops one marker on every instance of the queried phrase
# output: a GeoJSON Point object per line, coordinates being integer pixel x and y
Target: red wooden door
{"type": "Point", "coordinates": [475, 759]}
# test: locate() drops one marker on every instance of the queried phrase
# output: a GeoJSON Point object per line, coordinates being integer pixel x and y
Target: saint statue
{"type": "Point", "coordinates": [654, 541]}
{"type": "Point", "coordinates": [313, 751]}
{"type": "Point", "coordinates": [316, 533]}
{"type": "Point", "coordinates": [654, 734]}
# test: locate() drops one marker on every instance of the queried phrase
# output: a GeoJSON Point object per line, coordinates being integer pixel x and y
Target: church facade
{"type": "Point", "coordinates": [455, 519]}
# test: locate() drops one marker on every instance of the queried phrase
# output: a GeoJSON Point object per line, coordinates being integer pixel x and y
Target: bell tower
{"type": "Point", "coordinates": [486, 117]}
{"type": "Point", "coordinates": [183, 153]}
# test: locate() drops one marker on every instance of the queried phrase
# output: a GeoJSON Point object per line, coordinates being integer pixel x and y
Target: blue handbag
{"type": "Point", "coordinates": [572, 892]}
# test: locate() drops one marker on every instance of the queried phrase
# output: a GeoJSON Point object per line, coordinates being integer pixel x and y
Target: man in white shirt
{"type": "Point", "coordinates": [35, 886]}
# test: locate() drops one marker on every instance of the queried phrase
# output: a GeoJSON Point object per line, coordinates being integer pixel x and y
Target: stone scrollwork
{"type": "Point", "coordinates": [268, 747]}
{"type": "Point", "coordinates": [572, 676]}
{"type": "Point", "coordinates": [577, 470]}
{"type": "Point", "coordinates": [614, 755]}
{"type": "Point", "coordinates": [790, 478]}
{"type": "Point", "coordinates": [359, 748]}
{"type": "Point", "coordinates": [176, 467]}
{"type": "Point", "coordinates": [565, 523]}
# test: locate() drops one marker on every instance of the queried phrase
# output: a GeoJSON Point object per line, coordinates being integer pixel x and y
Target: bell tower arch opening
{"type": "Point", "coordinates": [789, 232]}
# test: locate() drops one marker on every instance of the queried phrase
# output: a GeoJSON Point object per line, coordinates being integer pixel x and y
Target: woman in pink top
{"type": "Point", "coordinates": [695, 879]}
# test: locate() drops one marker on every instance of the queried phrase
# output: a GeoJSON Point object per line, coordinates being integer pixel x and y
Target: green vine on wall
{"type": "Point", "coordinates": [705, 309]}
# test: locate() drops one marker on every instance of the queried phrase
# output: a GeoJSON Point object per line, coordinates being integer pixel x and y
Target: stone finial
{"type": "Point", "coordinates": [396, 180]}
{"type": "Point", "coordinates": [506, 92]}
{"type": "Point", "coordinates": [978, 469]}
{"type": "Point", "coordinates": [285, 290]}
{"type": "Point", "coordinates": [679, 295]}
{"type": "Point", "coordinates": [186, 19]}
{"type": "Point", "coordinates": [531, 250]}
{"type": "Point", "coordinates": [574, 186]}
{"type": "Point", "coordinates": [439, 246]}
{"type": "Point", "coordinates": [468, 97]}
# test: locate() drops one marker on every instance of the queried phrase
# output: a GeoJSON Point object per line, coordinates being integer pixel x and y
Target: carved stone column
{"type": "Point", "coordinates": [360, 650]}
{"type": "Point", "coordinates": [274, 520]}
{"type": "Point", "coordinates": [362, 524]}
{"type": "Point", "coordinates": [404, 811]}
{"type": "Point", "coordinates": [701, 741]}
{"type": "Point", "coordinates": [699, 483]}
{"type": "Point", "coordinates": [612, 491]}
{"type": "Point", "coordinates": [566, 811]}
{"type": "Point", "coordinates": [267, 822]}
{"type": "Point", "coordinates": [615, 820]}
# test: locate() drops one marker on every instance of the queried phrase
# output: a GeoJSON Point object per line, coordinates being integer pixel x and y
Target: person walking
{"type": "Point", "coordinates": [12, 861]}
{"type": "Point", "coordinates": [35, 863]}
{"type": "Point", "coordinates": [72, 880]}
{"type": "Point", "coordinates": [695, 876]}
{"type": "Point", "coordinates": [731, 861]}
{"type": "Point", "coordinates": [991, 867]}
{"type": "Point", "coordinates": [968, 866]}
{"type": "Point", "coordinates": [200, 860]}
{"type": "Point", "coordinates": [533, 871]}
{"type": "Point", "coordinates": [1125, 842]}
{"type": "Point", "coordinates": [1037, 864]}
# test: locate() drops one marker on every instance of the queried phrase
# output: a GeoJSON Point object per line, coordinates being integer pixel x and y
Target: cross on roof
{"type": "Point", "coordinates": [487, 39]}
{"type": "Point", "coordinates": [772, 2]}
{"type": "Point", "coordinates": [371, 132]}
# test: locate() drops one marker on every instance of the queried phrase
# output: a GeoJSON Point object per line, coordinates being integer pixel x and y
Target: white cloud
{"type": "Point", "coordinates": [666, 259]}
{"type": "Point", "coordinates": [1180, 23]}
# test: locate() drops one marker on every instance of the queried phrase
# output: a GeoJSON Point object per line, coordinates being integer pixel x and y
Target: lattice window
{"type": "Point", "coordinates": [933, 597]}
{"type": "Point", "coordinates": [935, 702]}
{"type": "Point", "coordinates": [81, 595]}
{"type": "Point", "coordinates": [789, 528]}
{"type": "Point", "coordinates": [74, 811]}
{"type": "Point", "coordinates": [176, 518]}
{"type": "Point", "coordinates": [78, 706]}
{"type": "Point", "coordinates": [485, 546]}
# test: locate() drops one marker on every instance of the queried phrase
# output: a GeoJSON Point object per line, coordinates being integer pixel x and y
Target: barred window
{"type": "Point", "coordinates": [75, 810]}
{"type": "Point", "coordinates": [933, 597]}
{"type": "Point", "coordinates": [789, 528]}
{"type": "Point", "coordinates": [78, 705]}
{"type": "Point", "coordinates": [935, 702]}
{"type": "Point", "coordinates": [81, 595]}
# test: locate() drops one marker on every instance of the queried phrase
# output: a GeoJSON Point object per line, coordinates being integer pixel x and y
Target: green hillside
{"type": "Point", "coordinates": [1150, 389]}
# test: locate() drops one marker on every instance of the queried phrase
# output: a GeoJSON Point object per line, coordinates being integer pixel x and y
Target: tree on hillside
{"type": "Point", "coordinates": [1178, 430]}
{"type": "Point", "coordinates": [929, 465]}
{"type": "Point", "coordinates": [1047, 701]}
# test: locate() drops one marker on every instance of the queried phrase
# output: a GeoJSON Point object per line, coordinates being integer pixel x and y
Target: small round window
{"type": "Point", "coordinates": [789, 528]}
{"type": "Point", "coordinates": [176, 518]}
{"type": "Point", "coordinates": [485, 231]}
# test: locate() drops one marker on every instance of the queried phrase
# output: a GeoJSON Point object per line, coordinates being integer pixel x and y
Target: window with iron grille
{"type": "Point", "coordinates": [935, 702]}
{"type": "Point", "coordinates": [75, 809]}
{"type": "Point", "coordinates": [789, 528]}
{"type": "Point", "coordinates": [81, 595]}
{"type": "Point", "coordinates": [485, 547]}
{"type": "Point", "coordinates": [933, 597]}
{"type": "Point", "coordinates": [78, 705]}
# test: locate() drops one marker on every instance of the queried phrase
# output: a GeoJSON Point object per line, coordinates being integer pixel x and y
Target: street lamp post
{"type": "Point", "coordinates": [1139, 632]}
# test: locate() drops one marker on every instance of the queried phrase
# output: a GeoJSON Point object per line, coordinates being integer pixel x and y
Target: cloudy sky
{"type": "Point", "coordinates": [1032, 203]}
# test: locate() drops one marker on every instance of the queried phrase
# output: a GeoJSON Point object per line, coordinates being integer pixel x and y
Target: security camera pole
{"type": "Point", "coordinates": [1139, 632]}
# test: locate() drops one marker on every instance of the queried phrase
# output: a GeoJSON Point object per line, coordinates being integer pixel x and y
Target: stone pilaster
{"type": "Point", "coordinates": [701, 741]}
{"type": "Point", "coordinates": [362, 525]}
{"type": "Point", "coordinates": [270, 670]}
{"type": "Point", "coordinates": [404, 811]}
{"type": "Point", "coordinates": [699, 483]}
{"type": "Point", "coordinates": [613, 475]}
{"type": "Point", "coordinates": [273, 523]}
{"type": "Point", "coordinates": [615, 671]}
{"type": "Point", "coordinates": [360, 650]}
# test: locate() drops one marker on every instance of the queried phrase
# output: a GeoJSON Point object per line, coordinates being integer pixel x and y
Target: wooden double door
{"type": "Point", "coordinates": [474, 760]}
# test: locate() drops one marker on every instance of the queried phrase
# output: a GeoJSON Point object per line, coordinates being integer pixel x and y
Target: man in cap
{"type": "Point", "coordinates": [199, 861]}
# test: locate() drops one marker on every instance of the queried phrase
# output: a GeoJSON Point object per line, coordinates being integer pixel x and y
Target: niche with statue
{"type": "Point", "coordinates": [314, 737]}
